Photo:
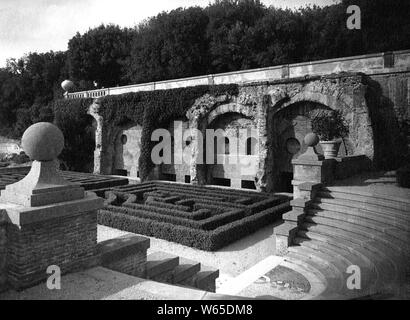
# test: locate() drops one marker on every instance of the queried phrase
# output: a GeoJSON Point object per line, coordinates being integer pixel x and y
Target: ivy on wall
{"type": "Point", "coordinates": [150, 109]}
{"type": "Point", "coordinates": [72, 118]}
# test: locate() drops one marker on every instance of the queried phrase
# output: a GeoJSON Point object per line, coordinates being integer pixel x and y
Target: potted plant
{"type": "Point", "coordinates": [331, 128]}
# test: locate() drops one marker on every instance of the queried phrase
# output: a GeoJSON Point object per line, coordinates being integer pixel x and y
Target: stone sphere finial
{"type": "Point", "coordinates": [43, 141]}
{"type": "Point", "coordinates": [67, 85]}
{"type": "Point", "coordinates": [311, 139]}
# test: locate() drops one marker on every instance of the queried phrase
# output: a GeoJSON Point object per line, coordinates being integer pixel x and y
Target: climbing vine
{"type": "Point", "coordinates": [150, 109]}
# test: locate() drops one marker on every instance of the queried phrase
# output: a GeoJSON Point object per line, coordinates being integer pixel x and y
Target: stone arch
{"type": "Point", "coordinates": [237, 122]}
{"type": "Point", "coordinates": [230, 108]}
{"type": "Point", "coordinates": [354, 109]}
{"type": "Point", "coordinates": [311, 96]}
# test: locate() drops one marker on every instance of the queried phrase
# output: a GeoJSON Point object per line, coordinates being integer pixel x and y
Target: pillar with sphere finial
{"type": "Point", "coordinates": [311, 166]}
{"type": "Point", "coordinates": [311, 170]}
{"type": "Point", "coordinates": [50, 221]}
{"type": "Point", "coordinates": [67, 85]}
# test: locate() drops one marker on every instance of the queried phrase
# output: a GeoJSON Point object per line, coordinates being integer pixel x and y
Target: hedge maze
{"type": "Point", "coordinates": [206, 218]}
{"type": "Point", "coordinates": [89, 182]}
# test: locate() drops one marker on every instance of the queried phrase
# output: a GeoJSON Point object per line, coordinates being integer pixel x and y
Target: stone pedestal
{"type": "Point", "coordinates": [63, 234]}
{"type": "Point", "coordinates": [311, 170]}
{"type": "Point", "coordinates": [49, 221]}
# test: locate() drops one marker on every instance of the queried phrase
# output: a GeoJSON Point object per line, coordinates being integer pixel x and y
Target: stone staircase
{"type": "Point", "coordinates": [128, 254]}
{"type": "Point", "coordinates": [344, 227]}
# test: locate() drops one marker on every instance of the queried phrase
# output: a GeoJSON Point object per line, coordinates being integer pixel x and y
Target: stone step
{"type": "Point", "coordinates": [355, 236]}
{"type": "Point", "coordinates": [368, 256]}
{"type": "Point", "coordinates": [359, 218]}
{"type": "Point", "coordinates": [404, 214]}
{"type": "Point", "coordinates": [344, 259]}
{"type": "Point", "coordinates": [185, 269]}
{"type": "Point", "coordinates": [159, 263]}
{"type": "Point", "coordinates": [371, 250]}
{"type": "Point", "coordinates": [350, 208]}
{"type": "Point", "coordinates": [324, 260]}
{"type": "Point", "coordinates": [349, 193]}
{"type": "Point", "coordinates": [334, 281]}
{"type": "Point", "coordinates": [203, 280]}
{"type": "Point", "coordinates": [369, 228]}
{"type": "Point", "coordinates": [339, 278]}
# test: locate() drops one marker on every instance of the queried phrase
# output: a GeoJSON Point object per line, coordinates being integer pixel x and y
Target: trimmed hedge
{"type": "Point", "coordinates": [206, 224]}
{"type": "Point", "coordinates": [196, 238]}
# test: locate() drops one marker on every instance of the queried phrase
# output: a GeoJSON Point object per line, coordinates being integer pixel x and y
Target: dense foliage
{"type": "Point", "coordinates": [227, 35]}
{"type": "Point", "coordinates": [154, 109]}
{"type": "Point", "coordinates": [329, 125]}
{"type": "Point", "coordinates": [72, 118]}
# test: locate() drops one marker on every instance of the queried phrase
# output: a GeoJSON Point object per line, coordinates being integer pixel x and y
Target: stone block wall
{"type": "Point", "coordinates": [126, 254]}
{"type": "Point", "coordinates": [71, 240]}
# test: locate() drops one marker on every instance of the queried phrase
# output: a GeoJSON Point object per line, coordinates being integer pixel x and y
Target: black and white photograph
{"type": "Point", "coordinates": [204, 158]}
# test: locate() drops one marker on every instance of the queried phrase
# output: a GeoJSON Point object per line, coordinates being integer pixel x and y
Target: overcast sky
{"type": "Point", "coordinates": [44, 25]}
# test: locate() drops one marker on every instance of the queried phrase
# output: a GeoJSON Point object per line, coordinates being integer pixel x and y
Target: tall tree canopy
{"type": "Point", "coordinates": [98, 55]}
{"type": "Point", "coordinates": [227, 35]}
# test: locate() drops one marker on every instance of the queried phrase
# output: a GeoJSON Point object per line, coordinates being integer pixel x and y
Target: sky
{"type": "Point", "coordinates": [44, 25]}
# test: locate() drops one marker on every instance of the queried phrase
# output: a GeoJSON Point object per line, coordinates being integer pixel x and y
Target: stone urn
{"type": "Point", "coordinates": [330, 148]}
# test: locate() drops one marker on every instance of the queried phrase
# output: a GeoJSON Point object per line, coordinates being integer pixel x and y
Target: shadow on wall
{"type": "Point", "coordinates": [390, 141]}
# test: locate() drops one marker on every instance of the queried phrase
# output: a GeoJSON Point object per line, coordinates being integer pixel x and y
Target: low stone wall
{"type": "Point", "coordinates": [351, 165]}
{"type": "Point", "coordinates": [72, 241]}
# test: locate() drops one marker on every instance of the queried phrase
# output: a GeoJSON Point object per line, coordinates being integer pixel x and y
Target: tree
{"type": "Point", "coordinates": [230, 32]}
{"type": "Point", "coordinates": [98, 55]}
{"type": "Point", "coordinates": [168, 46]}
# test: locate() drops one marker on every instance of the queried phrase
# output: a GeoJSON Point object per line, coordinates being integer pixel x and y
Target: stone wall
{"type": "Point", "coordinates": [376, 107]}
{"type": "Point", "coordinates": [72, 241]}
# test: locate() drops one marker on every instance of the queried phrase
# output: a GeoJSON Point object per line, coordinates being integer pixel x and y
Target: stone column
{"type": "Point", "coordinates": [50, 220]}
{"type": "Point", "coordinates": [99, 138]}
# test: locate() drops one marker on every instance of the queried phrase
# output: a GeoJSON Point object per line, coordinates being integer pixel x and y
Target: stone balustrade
{"type": "Point", "coordinates": [378, 63]}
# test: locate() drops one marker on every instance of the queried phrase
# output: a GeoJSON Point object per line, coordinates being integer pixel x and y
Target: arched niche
{"type": "Point", "coordinates": [233, 165]}
{"type": "Point", "coordinates": [127, 150]}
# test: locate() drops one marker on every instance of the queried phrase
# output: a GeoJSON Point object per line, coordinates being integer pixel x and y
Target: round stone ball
{"type": "Point", "coordinates": [311, 139]}
{"type": "Point", "coordinates": [67, 85]}
{"type": "Point", "coordinates": [43, 141]}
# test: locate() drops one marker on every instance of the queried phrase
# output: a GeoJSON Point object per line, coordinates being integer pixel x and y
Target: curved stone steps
{"type": "Point", "coordinates": [373, 271]}
{"type": "Point", "coordinates": [373, 254]}
{"type": "Point", "coordinates": [388, 235]}
{"type": "Point", "coordinates": [335, 204]}
{"type": "Point", "coordinates": [369, 249]}
{"type": "Point", "coordinates": [368, 198]}
{"type": "Point", "coordinates": [359, 234]}
{"type": "Point", "coordinates": [360, 217]}
{"type": "Point", "coordinates": [339, 246]}
{"type": "Point", "coordinates": [344, 258]}
{"type": "Point", "coordinates": [334, 279]}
